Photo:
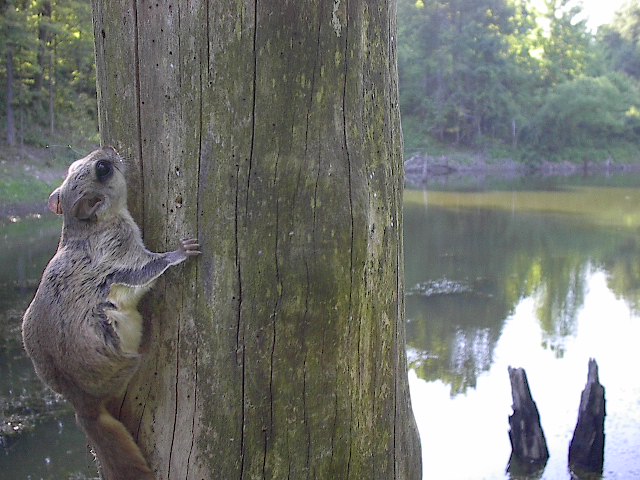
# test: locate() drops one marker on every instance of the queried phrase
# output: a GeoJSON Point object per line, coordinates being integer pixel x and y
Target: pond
{"type": "Point", "coordinates": [55, 449]}
{"type": "Point", "coordinates": [535, 273]}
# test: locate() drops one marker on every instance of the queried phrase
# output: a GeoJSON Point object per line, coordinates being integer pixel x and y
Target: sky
{"type": "Point", "coordinates": [598, 12]}
{"type": "Point", "coordinates": [601, 11]}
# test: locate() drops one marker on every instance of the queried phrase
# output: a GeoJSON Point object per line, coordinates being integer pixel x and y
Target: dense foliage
{"type": "Point", "coordinates": [47, 72]}
{"type": "Point", "coordinates": [533, 83]}
{"type": "Point", "coordinates": [498, 76]}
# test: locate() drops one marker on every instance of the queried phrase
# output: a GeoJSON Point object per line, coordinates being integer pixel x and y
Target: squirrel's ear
{"type": "Point", "coordinates": [110, 149]}
{"type": "Point", "coordinates": [55, 205]}
{"type": "Point", "coordinates": [85, 207]}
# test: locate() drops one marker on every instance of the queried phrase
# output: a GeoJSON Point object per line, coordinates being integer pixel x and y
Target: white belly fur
{"type": "Point", "coordinates": [125, 318]}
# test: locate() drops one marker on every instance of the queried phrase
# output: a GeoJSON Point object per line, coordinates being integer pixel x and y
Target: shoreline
{"type": "Point", "coordinates": [15, 212]}
{"type": "Point", "coordinates": [28, 175]}
{"type": "Point", "coordinates": [419, 170]}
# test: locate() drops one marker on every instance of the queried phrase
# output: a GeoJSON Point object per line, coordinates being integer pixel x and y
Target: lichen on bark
{"type": "Point", "coordinates": [275, 137]}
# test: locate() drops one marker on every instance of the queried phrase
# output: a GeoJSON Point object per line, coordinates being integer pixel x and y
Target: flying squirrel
{"type": "Point", "coordinates": [83, 330]}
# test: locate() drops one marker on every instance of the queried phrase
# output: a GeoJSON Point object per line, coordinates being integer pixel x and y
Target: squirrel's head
{"type": "Point", "coordinates": [95, 188]}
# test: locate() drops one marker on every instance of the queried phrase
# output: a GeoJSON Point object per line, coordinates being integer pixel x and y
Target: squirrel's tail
{"type": "Point", "coordinates": [119, 456]}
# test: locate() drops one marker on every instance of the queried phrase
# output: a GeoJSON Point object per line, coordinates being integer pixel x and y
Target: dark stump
{"type": "Point", "coordinates": [586, 451]}
{"type": "Point", "coordinates": [529, 453]}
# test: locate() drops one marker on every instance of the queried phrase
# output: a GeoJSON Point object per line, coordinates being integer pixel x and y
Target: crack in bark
{"type": "Point", "coordinates": [244, 402]}
{"type": "Point", "coordinates": [195, 385]}
{"type": "Point", "coordinates": [335, 423]}
{"type": "Point", "coordinates": [349, 176]}
{"type": "Point", "coordinates": [167, 212]}
{"type": "Point", "coordinates": [144, 408]}
{"type": "Point", "coordinates": [237, 262]}
{"type": "Point", "coordinates": [315, 198]}
{"type": "Point", "coordinates": [195, 409]}
{"type": "Point", "coordinates": [264, 456]}
{"type": "Point", "coordinates": [197, 297]}
{"type": "Point", "coordinates": [200, 128]}
{"type": "Point", "coordinates": [253, 100]}
{"type": "Point", "coordinates": [397, 181]}
{"type": "Point", "coordinates": [274, 315]}
{"type": "Point", "coordinates": [176, 391]}
{"type": "Point", "coordinates": [239, 334]}
{"type": "Point", "coordinates": [179, 49]}
{"type": "Point", "coordinates": [208, 40]}
{"type": "Point", "coordinates": [313, 76]}
{"type": "Point", "coordinates": [246, 210]}
{"type": "Point", "coordinates": [136, 61]}
{"type": "Point", "coordinates": [305, 322]}
{"type": "Point", "coordinates": [197, 272]}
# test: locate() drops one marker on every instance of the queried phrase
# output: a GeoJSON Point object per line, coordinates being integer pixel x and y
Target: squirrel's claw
{"type": "Point", "coordinates": [190, 247]}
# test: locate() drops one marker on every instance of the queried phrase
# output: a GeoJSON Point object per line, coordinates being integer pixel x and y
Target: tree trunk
{"type": "Point", "coordinates": [586, 450]}
{"type": "Point", "coordinates": [44, 37]}
{"type": "Point", "coordinates": [271, 131]}
{"type": "Point", "coordinates": [52, 91]}
{"type": "Point", "coordinates": [529, 452]}
{"type": "Point", "coordinates": [11, 123]}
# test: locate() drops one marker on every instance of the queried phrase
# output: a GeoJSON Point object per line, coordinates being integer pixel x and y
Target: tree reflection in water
{"type": "Point", "coordinates": [539, 263]}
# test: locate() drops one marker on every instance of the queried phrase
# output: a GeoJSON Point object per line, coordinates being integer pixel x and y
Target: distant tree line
{"type": "Point", "coordinates": [47, 72]}
{"type": "Point", "coordinates": [498, 76]}
{"type": "Point", "coordinates": [503, 76]}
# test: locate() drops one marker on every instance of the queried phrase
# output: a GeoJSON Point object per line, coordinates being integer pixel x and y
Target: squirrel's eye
{"type": "Point", "coordinates": [104, 169]}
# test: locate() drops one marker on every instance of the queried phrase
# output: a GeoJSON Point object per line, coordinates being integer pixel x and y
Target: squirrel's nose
{"type": "Point", "coordinates": [54, 202]}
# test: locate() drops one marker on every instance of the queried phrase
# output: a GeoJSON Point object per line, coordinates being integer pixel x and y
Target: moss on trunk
{"type": "Point", "coordinates": [271, 130]}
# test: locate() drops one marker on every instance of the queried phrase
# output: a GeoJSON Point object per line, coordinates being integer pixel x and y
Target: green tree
{"type": "Point", "coordinates": [579, 110]}
{"type": "Point", "coordinates": [71, 78]}
{"type": "Point", "coordinates": [503, 71]}
{"type": "Point", "coordinates": [621, 40]}
{"type": "Point", "coordinates": [564, 40]}
{"type": "Point", "coordinates": [16, 42]}
{"type": "Point", "coordinates": [49, 83]}
{"type": "Point", "coordinates": [457, 67]}
{"type": "Point", "coordinates": [584, 112]}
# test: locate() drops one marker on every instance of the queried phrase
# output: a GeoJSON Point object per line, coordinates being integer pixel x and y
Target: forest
{"type": "Point", "coordinates": [47, 73]}
{"type": "Point", "coordinates": [520, 79]}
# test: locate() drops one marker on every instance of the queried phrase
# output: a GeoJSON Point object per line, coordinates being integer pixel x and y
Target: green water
{"type": "Point", "coordinates": [537, 273]}
{"type": "Point", "coordinates": [45, 443]}
{"type": "Point", "coordinates": [533, 273]}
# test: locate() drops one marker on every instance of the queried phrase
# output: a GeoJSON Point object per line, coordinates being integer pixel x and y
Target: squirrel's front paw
{"type": "Point", "coordinates": [189, 247]}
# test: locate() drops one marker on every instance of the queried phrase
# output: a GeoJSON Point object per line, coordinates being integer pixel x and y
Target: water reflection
{"type": "Point", "coordinates": [38, 435]}
{"type": "Point", "coordinates": [25, 248]}
{"type": "Point", "coordinates": [542, 279]}
{"type": "Point", "coordinates": [555, 279]}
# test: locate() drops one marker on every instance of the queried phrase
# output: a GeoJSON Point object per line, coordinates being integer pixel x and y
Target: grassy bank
{"type": "Point", "coordinates": [28, 175]}
{"type": "Point", "coordinates": [494, 154]}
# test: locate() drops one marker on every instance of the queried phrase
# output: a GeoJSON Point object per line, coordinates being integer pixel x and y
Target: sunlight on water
{"type": "Point", "coordinates": [539, 273]}
{"type": "Point", "coordinates": [466, 437]}
{"type": "Point", "coordinates": [603, 206]}
{"type": "Point", "coordinates": [535, 276]}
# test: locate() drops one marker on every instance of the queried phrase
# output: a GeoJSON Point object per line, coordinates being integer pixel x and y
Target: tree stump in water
{"type": "Point", "coordinates": [529, 451]}
{"type": "Point", "coordinates": [586, 451]}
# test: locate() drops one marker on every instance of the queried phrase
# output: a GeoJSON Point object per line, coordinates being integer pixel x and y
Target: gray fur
{"type": "Point", "coordinates": [82, 329]}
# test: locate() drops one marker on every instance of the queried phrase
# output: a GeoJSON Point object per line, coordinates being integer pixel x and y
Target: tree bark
{"type": "Point", "coordinates": [586, 450]}
{"type": "Point", "coordinates": [271, 131]}
{"type": "Point", "coordinates": [529, 452]}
